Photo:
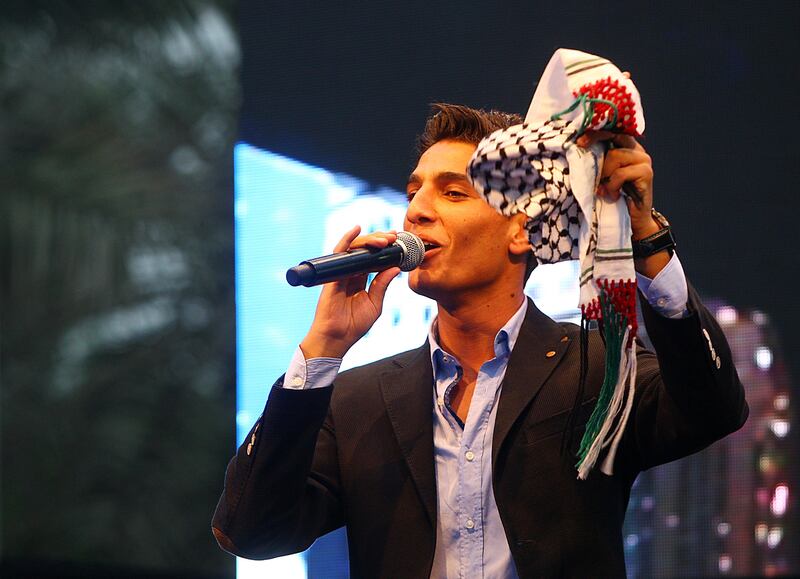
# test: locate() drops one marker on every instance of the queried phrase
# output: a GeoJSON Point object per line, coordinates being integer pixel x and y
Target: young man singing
{"type": "Point", "coordinates": [448, 460]}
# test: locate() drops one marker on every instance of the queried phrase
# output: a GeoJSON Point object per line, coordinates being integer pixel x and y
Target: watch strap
{"type": "Point", "coordinates": [661, 240]}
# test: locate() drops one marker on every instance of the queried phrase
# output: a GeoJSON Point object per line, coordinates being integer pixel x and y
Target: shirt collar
{"type": "Point", "coordinates": [504, 340]}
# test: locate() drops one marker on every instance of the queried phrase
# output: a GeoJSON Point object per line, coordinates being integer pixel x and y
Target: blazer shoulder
{"type": "Point", "coordinates": [570, 329]}
{"type": "Point", "coordinates": [360, 387]}
{"type": "Point", "coordinates": [369, 372]}
{"type": "Point", "coordinates": [573, 332]}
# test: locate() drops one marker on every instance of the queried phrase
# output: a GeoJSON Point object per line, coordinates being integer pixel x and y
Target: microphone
{"type": "Point", "coordinates": [407, 253]}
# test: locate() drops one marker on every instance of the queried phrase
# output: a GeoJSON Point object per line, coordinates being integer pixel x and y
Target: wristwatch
{"type": "Point", "coordinates": [661, 240]}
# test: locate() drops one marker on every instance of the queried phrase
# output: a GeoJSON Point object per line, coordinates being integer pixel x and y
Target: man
{"type": "Point", "coordinates": [447, 461]}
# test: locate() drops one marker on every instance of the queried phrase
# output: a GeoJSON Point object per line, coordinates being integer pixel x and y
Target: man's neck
{"type": "Point", "coordinates": [467, 327]}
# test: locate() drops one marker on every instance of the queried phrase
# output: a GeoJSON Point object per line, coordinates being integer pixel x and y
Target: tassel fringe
{"type": "Point", "coordinates": [616, 310]}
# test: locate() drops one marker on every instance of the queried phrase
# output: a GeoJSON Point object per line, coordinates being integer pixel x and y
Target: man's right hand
{"type": "Point", "coordinates": [346, 309]}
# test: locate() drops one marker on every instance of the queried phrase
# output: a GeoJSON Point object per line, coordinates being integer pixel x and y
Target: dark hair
{"type": "Point", "coordinates": [460, 123]}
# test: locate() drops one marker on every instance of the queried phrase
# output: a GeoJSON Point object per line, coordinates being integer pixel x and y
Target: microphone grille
{"type": "Point", "coordinates": [413, 250]}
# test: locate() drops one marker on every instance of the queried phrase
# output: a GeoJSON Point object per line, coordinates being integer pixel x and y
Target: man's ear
{"type": "Point", "coordinates": [520, 244]}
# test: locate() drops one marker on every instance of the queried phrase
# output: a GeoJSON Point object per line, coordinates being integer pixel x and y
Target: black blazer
{"type": "Point", "coordinates": [360, 453]}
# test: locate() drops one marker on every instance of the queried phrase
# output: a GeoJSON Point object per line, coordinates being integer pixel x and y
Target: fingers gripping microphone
{"type": "Point", "coordinates": [406, 253]}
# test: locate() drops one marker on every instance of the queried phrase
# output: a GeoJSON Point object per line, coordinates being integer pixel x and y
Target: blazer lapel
{"type": "Point", "coordinates": [537, 351]}
{"type": "Point", "coordinates": [408, 395]}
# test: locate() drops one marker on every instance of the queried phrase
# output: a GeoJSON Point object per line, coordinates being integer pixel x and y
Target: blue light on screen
{"type": "Point", "coordinates": [287, 211]}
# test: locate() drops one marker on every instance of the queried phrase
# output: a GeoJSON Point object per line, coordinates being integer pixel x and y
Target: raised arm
{"type": "Point", "coordinates": [282, 488]}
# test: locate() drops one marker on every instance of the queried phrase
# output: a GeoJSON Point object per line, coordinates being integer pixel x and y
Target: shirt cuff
{"type": "Point", "coordinates": [312, 373]}
{"type": "Point", "coordinates": [668, 292]}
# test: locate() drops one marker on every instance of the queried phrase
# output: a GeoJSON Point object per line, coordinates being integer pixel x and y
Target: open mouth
{"type": "Point", "coordinates": [430, 251]}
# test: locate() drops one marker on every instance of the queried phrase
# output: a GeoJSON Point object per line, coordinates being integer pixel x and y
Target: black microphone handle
{"type": "Point", "coordinates": [331, 267]}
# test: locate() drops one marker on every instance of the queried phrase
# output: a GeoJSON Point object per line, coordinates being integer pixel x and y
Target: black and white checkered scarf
{"type": "Point", "coordinates": [537, 168]}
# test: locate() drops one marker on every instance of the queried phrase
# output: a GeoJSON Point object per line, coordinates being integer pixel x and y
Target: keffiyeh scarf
{"type": "Point", "coordinates": [537, 168]}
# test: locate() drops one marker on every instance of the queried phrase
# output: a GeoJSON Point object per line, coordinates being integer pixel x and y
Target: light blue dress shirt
{"type": "Point", "coordinates": [470, 539]}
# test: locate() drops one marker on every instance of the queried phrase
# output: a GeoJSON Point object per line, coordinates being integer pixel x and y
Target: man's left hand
{"type": "Point", "coordinates": [626, 164]}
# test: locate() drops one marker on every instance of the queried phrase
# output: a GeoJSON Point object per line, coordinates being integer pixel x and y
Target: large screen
{"type": "Point", "coordinates": [721, 512]}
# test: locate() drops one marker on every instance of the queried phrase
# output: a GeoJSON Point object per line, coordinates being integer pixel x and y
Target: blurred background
{"type": "Point", "coordinates": [123, 219]}
{"type": "Point", "coordinates": [117, 320]}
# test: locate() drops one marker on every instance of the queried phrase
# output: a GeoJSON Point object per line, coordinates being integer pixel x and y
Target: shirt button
{"type": "Point", "coordinates": [661, 302]}
{"type": "Point", "coordinates": [297, 381]}
{"type": "Point", "coordinates": [470, 524]}
{"type": "Point", "coordinates": [470, 455]}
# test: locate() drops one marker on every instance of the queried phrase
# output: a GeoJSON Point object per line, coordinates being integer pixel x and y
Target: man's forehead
{"type": "Point", "coordinates": [445, 160]}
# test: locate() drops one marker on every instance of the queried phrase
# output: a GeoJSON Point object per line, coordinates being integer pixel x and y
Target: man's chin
{"type": "Point", "coordinates": [422, 283]}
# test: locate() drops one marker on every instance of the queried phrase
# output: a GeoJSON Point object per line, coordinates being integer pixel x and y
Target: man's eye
{"type": "Point", "coordinates": [410, 195]}
{"type": "Point", "coordinates": [454, 193]}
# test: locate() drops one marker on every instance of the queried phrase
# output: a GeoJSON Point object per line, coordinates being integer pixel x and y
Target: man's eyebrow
{"type": "Point", "coordinates": [452, 176]}
{"type": "Point", "coordinates": [415, 179]}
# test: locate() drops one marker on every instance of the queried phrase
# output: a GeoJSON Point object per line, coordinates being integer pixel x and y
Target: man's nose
{"type": "Point", "coordinates": [420, 209]}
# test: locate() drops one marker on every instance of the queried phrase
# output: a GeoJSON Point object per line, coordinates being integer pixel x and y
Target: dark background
{"type": "Point", "coordinates": [117, 361]}
{"type": "Point", "coordinates": [347, 86]}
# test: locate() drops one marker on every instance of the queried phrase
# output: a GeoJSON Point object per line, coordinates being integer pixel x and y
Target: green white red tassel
{"type": "Point", "coordinates": [615, 309]}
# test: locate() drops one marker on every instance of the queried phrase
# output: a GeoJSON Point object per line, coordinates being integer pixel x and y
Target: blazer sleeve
{"type": "Point", "coordinates": [688, 393]}
{"type": "Point", "coordinates": [282, 488]}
